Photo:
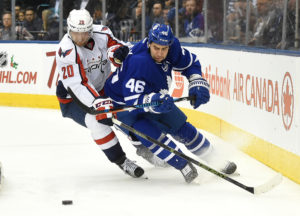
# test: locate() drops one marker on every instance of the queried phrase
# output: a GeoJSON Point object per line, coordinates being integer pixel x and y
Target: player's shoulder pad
{"type": "Point", "coordinates": [135, 64]}
{"type": "Point", "coordinates": [175, 45]}
{"type": "Point", "coordinates": [66, 51]}
{"type": "Point", "coordinates": [101, 29]}
{"type": "Point", "coordinates": [139, 59]}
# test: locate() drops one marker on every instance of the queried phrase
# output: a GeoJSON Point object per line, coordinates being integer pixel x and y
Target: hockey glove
{"type": "Point", "coordinates": [117, 54]}
{"type": "Point", "coordinates": [165, 102]}
{"type": "Point", "coordinates": [199, 88]}
{"type": "Point", "coordinates": [120, 54]}
{"type": "Point", "coordinates": [102, 104]}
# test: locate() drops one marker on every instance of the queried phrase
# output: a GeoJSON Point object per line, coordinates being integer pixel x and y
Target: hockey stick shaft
{"type": "Point", "coordinates": [261, 189]}
{"type": "Point", "coordinates": [254, 190]}
{"type": "Point", "coordinates": [93, 111]}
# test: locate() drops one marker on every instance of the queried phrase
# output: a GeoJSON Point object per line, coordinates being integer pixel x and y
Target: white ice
{"type": "Point", "coordinates": [47, 159]}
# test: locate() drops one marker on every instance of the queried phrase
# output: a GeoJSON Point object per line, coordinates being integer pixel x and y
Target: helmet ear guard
{"type": "Point", "coordinates": [80, 21]}
{"type": "Point", "coordinates": [161, 34]}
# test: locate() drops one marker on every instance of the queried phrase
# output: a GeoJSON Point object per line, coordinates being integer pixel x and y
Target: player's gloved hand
{"type": "Point", "coordinates": [166, 103]}
{"type": "Point", "coordinates": [120, 54]}
{"type": "Point", "coordinates": [103, 104]}
{"type": "Point", "coordinates": [117, 54]}
{"type": "Point", "coordinates": [199, 88]}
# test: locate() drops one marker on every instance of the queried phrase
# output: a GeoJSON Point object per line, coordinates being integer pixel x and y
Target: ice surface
{"type": "Point", "coordinates": [47, 159]}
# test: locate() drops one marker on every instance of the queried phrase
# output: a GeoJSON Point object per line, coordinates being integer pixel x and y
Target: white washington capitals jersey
{"type": "Point", "coordinates": [84, 69]}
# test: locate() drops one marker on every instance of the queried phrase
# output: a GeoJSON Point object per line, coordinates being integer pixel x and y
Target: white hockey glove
{"type": "Point", "coordinates": [199, 88]}
{"type": "Point", "coordinates": [103, 104]}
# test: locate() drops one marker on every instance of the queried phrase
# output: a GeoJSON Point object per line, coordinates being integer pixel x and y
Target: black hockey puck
{"type": "Point", "coordinates": [67, 202]}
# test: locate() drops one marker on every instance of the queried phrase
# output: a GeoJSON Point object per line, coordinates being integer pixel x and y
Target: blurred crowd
{"type": "Point", "coordinates": [261, 27]}
{"type": "Point", "coordinates": [265, 28]}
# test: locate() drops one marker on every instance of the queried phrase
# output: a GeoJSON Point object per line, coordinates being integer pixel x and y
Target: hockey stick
{"type": "Point", "coordinates": [93, 111]}
{"type": "Point", "coordinates": [254, 190]}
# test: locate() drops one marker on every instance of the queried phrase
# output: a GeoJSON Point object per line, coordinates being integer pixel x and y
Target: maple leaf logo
{"type": "Point", "coordinates": [287, 98]}
{"type": "Point", "coordinates": [287, 101]}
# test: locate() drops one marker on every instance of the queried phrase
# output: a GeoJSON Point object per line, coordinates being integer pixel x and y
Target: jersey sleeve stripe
{"type": "Point", "coordinates": [181, 69]}
{"type": "Point", "coordinates": [113, 41]}
{"type": "Point", "coordinates": [132, 97]}
{"type": "Point", "coordinates": [84, 77]}
{"type": "Point", "coordinates": [119, 102]}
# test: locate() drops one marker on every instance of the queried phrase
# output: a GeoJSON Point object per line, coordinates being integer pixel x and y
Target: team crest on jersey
{"type": "Point", "coordinates": [165, 67]}
{"type": "Point", "coordinates": [64, 54]}
{"type": "Point", "coordinates": [104, 28]}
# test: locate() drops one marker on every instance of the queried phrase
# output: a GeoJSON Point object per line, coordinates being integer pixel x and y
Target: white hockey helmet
{"type": "Point", "coordinates": [80, 21]}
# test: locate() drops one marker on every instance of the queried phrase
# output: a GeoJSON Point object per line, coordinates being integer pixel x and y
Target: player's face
{"type": "Point", "coordinates": [158, 52]}
{"type": "Point", "coordinates": [80, 38]}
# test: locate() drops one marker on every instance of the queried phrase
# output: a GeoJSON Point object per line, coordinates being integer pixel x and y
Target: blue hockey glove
{"type": "Point", "coordinates": [120, 54]}
{"type": "Point", "coordinates": [199, 88]}
{"type": "Point", "coordinates": [166, 101]}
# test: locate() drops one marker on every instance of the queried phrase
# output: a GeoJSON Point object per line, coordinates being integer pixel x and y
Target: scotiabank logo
{"type": "Point", "coordinates": [256, 92]}
{"type": "Point", "coordinates": [287, 101]}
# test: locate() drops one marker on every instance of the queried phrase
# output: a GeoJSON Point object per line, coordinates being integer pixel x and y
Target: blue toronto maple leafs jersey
{"type": "Point", "coordinates": [140, 74]}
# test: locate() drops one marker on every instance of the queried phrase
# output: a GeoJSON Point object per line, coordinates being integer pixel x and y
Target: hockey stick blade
{"type": "Point", "coordinates": [254, 190]}
{"type": "Point", "coordinates": [269, 185]}
{"type": "Point", "coordinates": [93, 111]}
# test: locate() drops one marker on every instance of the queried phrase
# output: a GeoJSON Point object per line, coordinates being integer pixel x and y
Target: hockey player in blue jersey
{"type": "Point", "coordinates": [145, 76]}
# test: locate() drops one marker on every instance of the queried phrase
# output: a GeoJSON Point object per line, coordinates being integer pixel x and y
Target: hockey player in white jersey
{"type": "Point", "coordinates": [83, 64]}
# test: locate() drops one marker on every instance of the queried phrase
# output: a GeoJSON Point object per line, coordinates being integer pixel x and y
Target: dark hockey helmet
{"type": "Point", "coordinates": [161, 34]}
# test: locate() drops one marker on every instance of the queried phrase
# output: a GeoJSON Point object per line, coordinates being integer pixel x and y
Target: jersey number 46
{"type": "Point", "coordinates": [135, 85]}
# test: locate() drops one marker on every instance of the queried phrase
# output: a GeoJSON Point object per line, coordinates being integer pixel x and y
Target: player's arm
{"type": "Point", "coordinates": [73, 75]}
{"type": "Point", "coordinates": [189, 65]}
{"type": "Point", "coordinates": [117, 50]}
{"type": "Point", "coordinates": [183, 60]}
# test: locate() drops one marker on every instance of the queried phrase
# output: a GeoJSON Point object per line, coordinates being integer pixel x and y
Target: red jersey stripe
{"type": "Point", "coordinates": [112, 41]}
{"type": "Point", "coordinates": [84, 78]}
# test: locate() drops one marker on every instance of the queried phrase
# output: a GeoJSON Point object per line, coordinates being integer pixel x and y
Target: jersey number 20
{"type": "Point", "coordinates": [135, 85]}
{"type": "Point", "coordinates": [68, 71]}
